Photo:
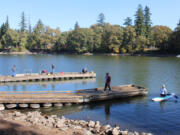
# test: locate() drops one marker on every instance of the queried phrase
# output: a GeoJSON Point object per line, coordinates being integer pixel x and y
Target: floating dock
{"type": "Point", "coordinates": [46, 77]}
{"type": "Point", "coordinates": [36, 99]}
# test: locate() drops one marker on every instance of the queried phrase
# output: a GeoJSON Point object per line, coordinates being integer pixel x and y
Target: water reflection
{"type": "Point", "coordinates": [44, 85]}
{"type": "Point", "coordinates": [107, 110]}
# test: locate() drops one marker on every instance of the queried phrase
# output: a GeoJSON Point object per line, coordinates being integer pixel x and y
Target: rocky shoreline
{"type": "Point", "coordinates": [71, 127]}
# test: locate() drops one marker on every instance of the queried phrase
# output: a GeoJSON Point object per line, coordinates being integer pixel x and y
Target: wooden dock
{"type": "Point", "coordinates": [80, 96]}
{"type": "Point", "coordinates": [46, 77]}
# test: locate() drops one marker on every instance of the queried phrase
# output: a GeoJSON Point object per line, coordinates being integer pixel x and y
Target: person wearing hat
{"type": "Point", "coordinates": [163, 91]}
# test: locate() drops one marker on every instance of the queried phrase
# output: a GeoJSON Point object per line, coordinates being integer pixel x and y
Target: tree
{"type": "Point", "coordinates": [129, 38]}
{"type": "Point", "coordinates": [80, 41]}
{"type": "Point", "coordinates": [128, 22]}
{"type": "Point", "coordinates": [112, 38]}
{"type": "Point", "coordinates": [76, 26]}
{"type": "Point", "coordinates": [101, 19]}
{"type": "Point", "coordinates": [174, 40]}
{"type": "Point", "coordinates": [139, 22]}
{"type": "Point", "coordinates": [147, 22]}
{"type": "Point", "coordinates": [23, 22]}
{"type": "Point", "coordinates": [161, 36]}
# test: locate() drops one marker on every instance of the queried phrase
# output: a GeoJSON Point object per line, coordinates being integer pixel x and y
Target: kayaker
{"type": "Point", "coordinates": [163, 91]}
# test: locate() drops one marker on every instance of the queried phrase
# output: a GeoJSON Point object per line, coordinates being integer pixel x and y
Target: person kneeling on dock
{"type": "Point", "coordinates": [163, 91]}
{"type": "Point", "coordinates": [107, 82]}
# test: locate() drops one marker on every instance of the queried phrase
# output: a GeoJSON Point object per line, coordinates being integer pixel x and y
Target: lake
{"type": "Point", "coordinates": [139, 113]}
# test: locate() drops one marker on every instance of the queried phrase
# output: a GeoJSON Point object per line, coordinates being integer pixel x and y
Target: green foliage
{"type": "Point", "coordinates": [128, 22]}
{"type": "Point", "coordinates": [174, 42]}
{"type": "Point", "coordinates": [147, 22]}
{"type": "Point", "coordinates": [112, 38]}
{"type": "Point", "coordinates": [101, 19]}
{"type": "Point", "coordinates": [23, 22]}
{"type": "Point", "coordinates": [80, 41]}
{"type": "Point", "coordinates": [76, 26]}
{"type": "Point", "coordinates": [129, 38]}
{"type": "Point", "coordinates": [139, 22]}
{"type": "Point", "coordinates": [161, 36]}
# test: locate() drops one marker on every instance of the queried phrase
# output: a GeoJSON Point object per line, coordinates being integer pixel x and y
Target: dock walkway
{"type": "Point", "coordinates": [46, 77]}
{"type": "Point", "coordinates": [80, 96]}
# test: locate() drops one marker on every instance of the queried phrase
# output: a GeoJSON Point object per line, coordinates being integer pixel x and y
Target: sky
{"type": "Point", "coordinates": [65, 13]}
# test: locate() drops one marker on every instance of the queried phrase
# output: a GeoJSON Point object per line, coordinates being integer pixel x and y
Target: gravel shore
{"type": "Point", "coordinates": [34, 123]}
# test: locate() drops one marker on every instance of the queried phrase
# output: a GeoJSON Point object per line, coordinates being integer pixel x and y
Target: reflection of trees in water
{"type": "Point", "coordinates": [24, 87]}
{"type": "Point", "coordinates": [15, 87]}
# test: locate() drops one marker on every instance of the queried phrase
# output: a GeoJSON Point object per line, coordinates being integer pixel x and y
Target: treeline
{"type": "Point", "coordinates": [101, 37]}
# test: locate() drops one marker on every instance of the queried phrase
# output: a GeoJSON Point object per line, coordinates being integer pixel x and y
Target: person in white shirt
{"type": "Point", "coordinates": [163, 91]}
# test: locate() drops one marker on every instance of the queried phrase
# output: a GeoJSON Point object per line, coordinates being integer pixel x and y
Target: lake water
{"type": "Point", "coordinates": [140, 113]}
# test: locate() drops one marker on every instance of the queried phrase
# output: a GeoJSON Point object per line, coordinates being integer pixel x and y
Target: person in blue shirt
{"type": "Point", "coordinates": [163, 91]}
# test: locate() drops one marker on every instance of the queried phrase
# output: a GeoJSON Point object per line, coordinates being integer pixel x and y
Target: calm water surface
{"type": "Point", "coordinates": [138, 113]}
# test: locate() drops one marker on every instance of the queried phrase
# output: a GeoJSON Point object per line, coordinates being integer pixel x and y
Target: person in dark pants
{"type": "Point", "coordinates": [107, 82]}
{"type": "Point", "coordinates": [53, 68]}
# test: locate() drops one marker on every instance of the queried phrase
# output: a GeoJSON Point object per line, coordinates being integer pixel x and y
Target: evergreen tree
{"type": "Point", "coordinates": [128, 22]}
{"type": "Point", "coordinates": [29, 29]}
{"type": "Point", "coordinates": [23, 22]}
{"type": "Point", "coordinates": [147, 22]}
{"type": "Point", "coordinates": [7, 23]}
{"type": "Point", "coordinates": [101, 19]}
{"type": "Point", "coordinates": [139, 22]}
{"type": "Point", "coordinates": [76, 26]}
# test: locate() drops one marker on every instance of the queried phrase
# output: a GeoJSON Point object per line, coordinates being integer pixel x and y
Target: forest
{"type": "Point", "coordinates": [136, 36]}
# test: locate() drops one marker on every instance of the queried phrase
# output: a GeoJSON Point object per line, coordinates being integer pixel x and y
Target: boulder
{"type": "Point", "coordinates": [91, 123]}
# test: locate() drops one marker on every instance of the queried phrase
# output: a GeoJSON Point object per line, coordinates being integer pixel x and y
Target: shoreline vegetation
{"type": "Point", "coordinates": [90, 54]}
{"type": "Point", "coordinates": [35, 123]}
{"type": "Point", "coordinates": [102, 37]}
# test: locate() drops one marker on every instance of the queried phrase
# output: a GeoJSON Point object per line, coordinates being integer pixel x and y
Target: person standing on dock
{"type": "Point", "coordinates": [53, 68]}
{"type": "Point", "coordinates": [107, 82]}
{"type": "Point", "coordinates": [14, 70]}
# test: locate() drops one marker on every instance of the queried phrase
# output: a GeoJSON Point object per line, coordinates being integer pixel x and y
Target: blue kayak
{"type": "Point", "coordinates": [158, 99]}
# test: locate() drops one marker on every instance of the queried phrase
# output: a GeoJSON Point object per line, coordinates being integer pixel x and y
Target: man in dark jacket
{"type": "Point", "coordinates": [107, 82]}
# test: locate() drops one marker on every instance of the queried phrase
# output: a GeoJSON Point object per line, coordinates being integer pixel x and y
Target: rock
{"type": "Point", "coordinates": [87, 132]}
{"type": "Point", "coordinates": [64, 128]}
{"type": "Point", "coordinates": [116, 131]}
{"type": "Point", "coordinates": [107, 126]}
{"type": "Point", "coordinates": [78, 127]}
{"type": "Point", "coordinates": [136, 133]}
{"type": "Point", "coordinates": [130, 133]}
{"type": "Point", "coordinates": [91, 123]}
{"type": "Point", "coordinates": [59, 125]}
{"type": "Point", "coordinates": [98, 125]}
{"type": "Point", "coordinates": [124, 132]}
{"type": "Point", "coordinates": [2, 107]}
{"type": "Point", "coordinates": [17, 114]}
